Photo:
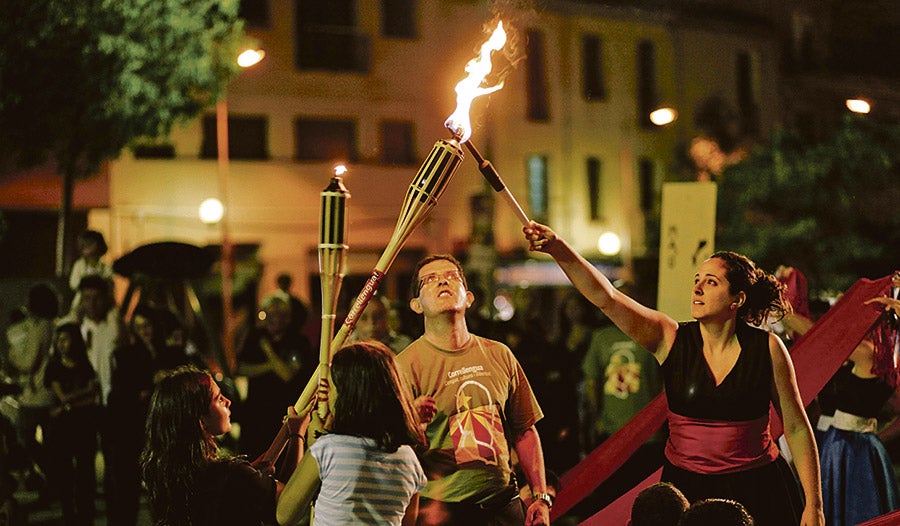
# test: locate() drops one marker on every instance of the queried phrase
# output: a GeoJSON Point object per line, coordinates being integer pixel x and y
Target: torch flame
{"type": "Point", "coordinates": [470, 87]}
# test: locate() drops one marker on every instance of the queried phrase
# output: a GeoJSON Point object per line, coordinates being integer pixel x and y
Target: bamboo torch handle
{"type": "Point", "coordinates": [332, 252]}
{"type": "Point", "coordinates": [493, 178]}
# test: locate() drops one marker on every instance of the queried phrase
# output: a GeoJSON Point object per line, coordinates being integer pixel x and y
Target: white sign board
{"type": "Point", "coordinates": [687, 238]}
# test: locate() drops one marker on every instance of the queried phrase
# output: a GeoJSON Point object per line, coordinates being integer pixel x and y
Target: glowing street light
{"type": "Point", "coordinates": [250, 57]}
{"type": "Point", "coordinates": [211, 211]}
{"type": "Point", "coordinates": [859, 106]}
{"type": "Point", "coordinates": [609, 244]}
{"type": "Point", "coordinates": [663, 116]}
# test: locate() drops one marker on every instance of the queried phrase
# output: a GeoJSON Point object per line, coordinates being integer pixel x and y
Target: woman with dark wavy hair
{"type": "Point", "coordinates": [721, 374]}
{"type": "Point", "coordinates": [365, 469]}
{"type": "Point", "coordinates": [188, 481]}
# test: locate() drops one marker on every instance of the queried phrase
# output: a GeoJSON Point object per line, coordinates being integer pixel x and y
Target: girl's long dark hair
{"type": "Point", "coordinates": [177, 446]}
{"type": "Point", "coordinates": [372, 400]}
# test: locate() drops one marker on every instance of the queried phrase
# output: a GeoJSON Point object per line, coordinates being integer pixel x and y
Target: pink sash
{"type": "Point", "coordinates": [716, 447]}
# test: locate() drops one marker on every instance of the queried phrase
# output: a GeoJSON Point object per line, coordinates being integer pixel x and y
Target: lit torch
{"type": "Point", "coordinates": [332, 267]}
{"type": "Point", "coordinates": [459, 124]}
{"type": "Point", "coordinates": [425, 189]}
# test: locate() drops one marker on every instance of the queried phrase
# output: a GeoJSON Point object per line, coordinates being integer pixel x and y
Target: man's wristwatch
{"type": "Point", "coordinates": [546, 497]}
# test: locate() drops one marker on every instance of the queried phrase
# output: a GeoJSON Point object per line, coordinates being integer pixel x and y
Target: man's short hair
{"type": "Point", "coordinates": [661, 504]}
{"type": "Point", "coordinates": [94, 282]}
{"type": "Point", "coordinates": [414, 284]}
{"type": "Point", "coordinates": [716, 512]}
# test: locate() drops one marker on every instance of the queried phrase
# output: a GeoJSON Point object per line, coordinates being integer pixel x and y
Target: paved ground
{"type": "Point", "coordinates": [33, 512]}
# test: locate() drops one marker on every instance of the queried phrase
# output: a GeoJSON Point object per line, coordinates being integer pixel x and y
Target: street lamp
{"type": "Point", "coordinates": [859, 106]}
{"type": "Point", "coordinates": [246, 59]}
{"type": "Point", "coordinates": [211, 211]}
{"type": "Point", "coordinates": [663, 115]}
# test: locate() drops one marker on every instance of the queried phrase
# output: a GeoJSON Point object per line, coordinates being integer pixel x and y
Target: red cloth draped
{"type": "Point", "coordinates": [816, 357]}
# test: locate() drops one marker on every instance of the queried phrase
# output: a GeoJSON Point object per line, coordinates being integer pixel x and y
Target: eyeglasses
{"type": "Point", "coordinates": [436, 277]}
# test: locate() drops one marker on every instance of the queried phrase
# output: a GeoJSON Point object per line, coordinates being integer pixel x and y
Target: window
{"type": "Point", "coordinates": [397, 143]}
{"type": "Point", "coordinates": [536, 91]}
{"type": "Point", "coordinates": [593, 85]}
{"type": "Point", "coordinates": [255, 13]}
{"type": "Point", "coordinates": [247, 137]}
{"type": "Point", "coordinates": [154, 151]}
{"type": "Point", "coordinates": [646, 83]}
{"type": "Point", "coordinates": [327, 38]}
{"type": "Point", "coordinates": [746, 92]}
{"type": "Point", "coordinates": [326, 140]}
{"type": "Point", "coordinates": [647, 180]}
{"type": "Point", "coordinates": [537, 186]}
{"type": "Point", "coordinates": [595, 187]}
{"type": "Point", "coordinates": [398, 18]}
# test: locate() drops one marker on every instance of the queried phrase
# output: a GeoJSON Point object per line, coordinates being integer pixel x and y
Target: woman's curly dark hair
{"type": "Point", "coordinates": [765, 294]}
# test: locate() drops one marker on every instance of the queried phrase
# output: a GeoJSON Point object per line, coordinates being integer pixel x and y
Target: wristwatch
{"type": "Point", "coordinates": [546, 497]}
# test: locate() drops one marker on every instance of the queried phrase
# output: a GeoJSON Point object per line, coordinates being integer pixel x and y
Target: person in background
{"type": "Point", "coordinates": [299, 309]}
{"type": "Point", "coordinates": [721, 374]}
{"type": "Point", "coordinates": [103, 332]}
{"type": "Point", "coordinates": [716, 512]}
{"type": "Point", "coordinates": [476, 404]}
{"type": "Point", "coordinates": [188, 481]}
{"type": "Point", "coordinates": [621, 378]}
{"type": "Point", "coordinates": [91, 247]}
{"type": "Point", "coordinates": [373, 324]}
{"type": "Point", "coordinates": [30, 341]}
{"type": "Point", "coordinates": [858, 480]}
{"type": "Point", "coordinates": [660, 504]}
{"type": "Point", "coordinates": [567, 441]}
{"type": "Point", "coordinates": [136, 366]}
{"type": "Point", "coordinates": [71, 434]}
{"type": "Point", "coordinates": [277, 363]}
{"type": "Point", "coordinates": [364, 470]}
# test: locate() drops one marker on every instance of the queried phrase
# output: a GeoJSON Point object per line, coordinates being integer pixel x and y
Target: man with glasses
{"type": "Point", "coordinates": [476, 405]}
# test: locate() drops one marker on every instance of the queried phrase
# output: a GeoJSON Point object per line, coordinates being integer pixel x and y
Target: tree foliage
{"type": "Point", "coordinates": [81, 80]}
{"type": "Point", "coordinates": [831, 209]}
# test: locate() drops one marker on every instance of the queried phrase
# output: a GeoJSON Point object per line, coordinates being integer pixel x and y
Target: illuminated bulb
{"type": "Point", "coordinates": [211, 211]}
{"type": "Point", "coordinates": [663, 116]}
{"type": "Point", "coordinates": [340, 169]}
{"type": "Point", "coordinates": [858, 106]}
{"type": "Point", "coordinates": [250, 57]}
{"type": "Point", "coordinates": [609, 244]}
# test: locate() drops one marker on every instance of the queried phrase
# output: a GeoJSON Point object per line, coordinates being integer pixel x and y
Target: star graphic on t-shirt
{"type": "Point", "coordinates": [464, 399]}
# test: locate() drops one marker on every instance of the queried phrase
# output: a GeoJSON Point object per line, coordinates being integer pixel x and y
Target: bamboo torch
{"type": "Point", "coordinates": [421, 197]}
{"type": "Point", "coordinates": [332, 268]}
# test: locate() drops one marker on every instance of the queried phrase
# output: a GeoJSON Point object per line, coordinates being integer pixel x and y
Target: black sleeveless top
{"type": "Point", "coordinates": [691, 389]}
{"type": "Point", "coordinates": [860, 396]}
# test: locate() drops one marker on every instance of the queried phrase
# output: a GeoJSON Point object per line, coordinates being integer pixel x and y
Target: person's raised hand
{"type": "Point", "coordinates": [539, 237]}
{"type": "Point", "coordinates": [889, 303]}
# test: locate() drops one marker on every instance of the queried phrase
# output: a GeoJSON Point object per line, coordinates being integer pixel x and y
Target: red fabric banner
{"type": "Point", "coordinates": [816, 357]}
